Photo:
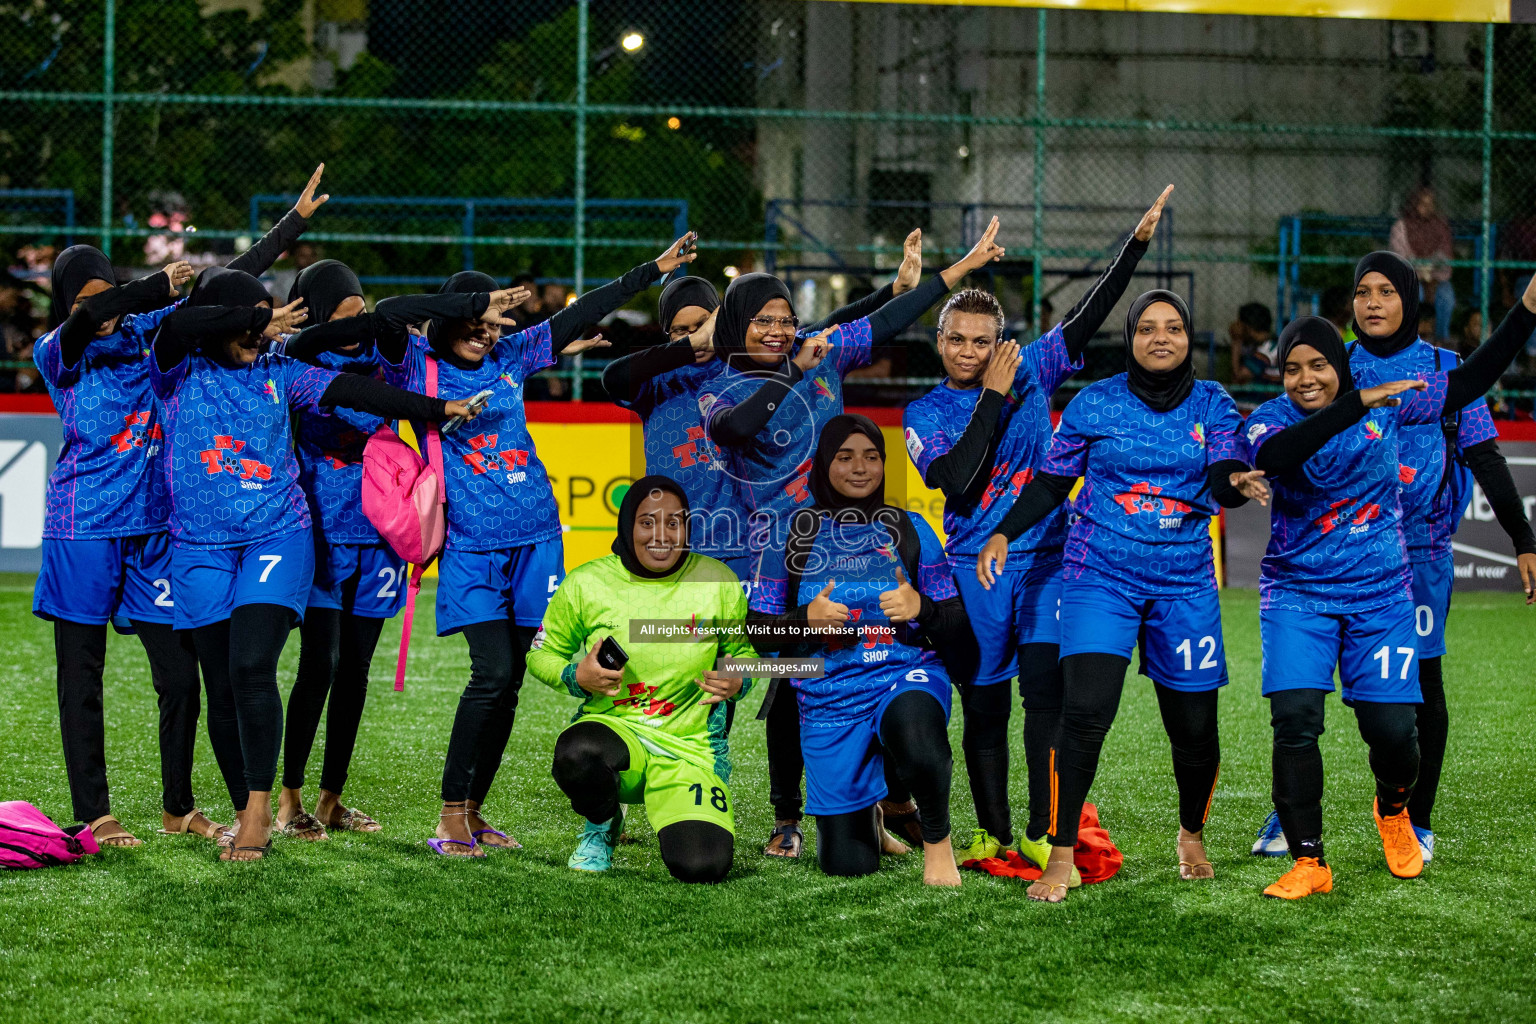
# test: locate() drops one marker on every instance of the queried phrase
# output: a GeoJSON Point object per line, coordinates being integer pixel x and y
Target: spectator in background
{"type": "Point", "coordinates": [1422, 235]}
{"type": "Point", "coordinates": [19, 328]}
{"type": "Point", "coordinates": [303, 254]}
{"type": "Point", "coordinates": [1427, 329]}
{"type": "Point", "coordinates": [1517, 241]}
{"type": "Point", "coordinates": [1337, 306]}
{"type": "Point", "coordinates": [1468, 331]}
{"type": "Point", "coordinates": [1254, 351]}
{"type": "Point", "coordinates": [530, 312]}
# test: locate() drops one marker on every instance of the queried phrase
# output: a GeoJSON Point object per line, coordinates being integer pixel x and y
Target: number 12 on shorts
{"type": "Point", "coordinates": [1207, 647]}
{"type": "Point", "coordinates": [716, 797]}
{"type": "Point", "coordinates": [1384, 655]}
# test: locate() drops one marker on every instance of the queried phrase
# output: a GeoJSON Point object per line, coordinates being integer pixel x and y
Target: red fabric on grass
{"type": "Point", "coordinates": [1096, 856]}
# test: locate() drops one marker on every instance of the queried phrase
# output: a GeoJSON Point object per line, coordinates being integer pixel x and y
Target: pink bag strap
{"type": "Point", "coordinates": [434, 446]}
{"type": "Point", "coordinates": [411, 591]}
{"type": "Point", "coordinates": [434, 439]}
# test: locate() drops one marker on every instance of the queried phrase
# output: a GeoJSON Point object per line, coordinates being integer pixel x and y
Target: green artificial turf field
{"type": "Point", "coordinates": [378, 928]}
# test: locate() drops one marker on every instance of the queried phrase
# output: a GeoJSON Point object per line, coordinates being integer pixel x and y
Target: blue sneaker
{"type": "Point", "coordinates": [1426, 843]}
{"type": "Point", "coordinates": [1271, 841]}
{"type": "Point", "coordinates": [594, 852]}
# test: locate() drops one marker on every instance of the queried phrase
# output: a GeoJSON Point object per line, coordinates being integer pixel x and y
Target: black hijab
{"type": "Point", "coordinates": [683, 292]}
{"type": "Point", "coordinates": [463, 281]}
{"type": "Point", "coordinates": [1323, 336]}
{"type": "Point", "coordinates": [744, 299]}
{"type": "Point", "coordinates": [323, 286]}
{"type": "Point", "coordinates": [624, 543]}
{"type": "Point", "coordinates": [220, 286]}
{"type": "Point", "coordinates": [72, 268]}
{"type": "Point", "coordinates": [836, 432]}
{"type": "Point", "coordinates": [1161, 390]}
{"type": "Point", "coordinates": [1403, 277]}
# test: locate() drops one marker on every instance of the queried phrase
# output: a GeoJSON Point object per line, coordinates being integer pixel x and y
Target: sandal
{"type": "Point", "coordinates": [110, 832]}
{"type": "Point", "coordinates": [905, 825]}
{"type": "Point", "coordinates": [353, 820]}
{"type": "Point", "coordinates": [510, 844]}
{"type": "Point", "coordinates": [786, 840]}
{"type": "Point", "coordinates": [1050, 890]}
{"type": "Point", "coordinates": [228, 855]}
{"type": "Point", "coordinates": [1193, 870]}
{"type": "Point", "coordinates": [439, 841]}
{"type": "Point", "coordinates": [196, 823]}
{"type": "Point", "coordinates": [300, 826]}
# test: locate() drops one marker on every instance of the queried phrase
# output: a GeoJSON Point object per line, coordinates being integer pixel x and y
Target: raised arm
{"type": "Point", "coordinates": [566, 325]}
{"type": "Point", "coordinates": [185, 330]}
{"type": "Point", "coordinates": [1481, 370]}
{"type": "Point", "coordinates": [626, 376]}
{"type": "Point", "coordinates": [1290, 447]}
{"type": "Point", "coordinates": [258, 259]}
{"type": "Point", "coordinates": [141, 296]}
{"type": "Point", "coordinates": [1083, 320]}
{"type": "Point", "coordinates": [963, 470]}
{"type": "Point", "coordinates": [393, 317]}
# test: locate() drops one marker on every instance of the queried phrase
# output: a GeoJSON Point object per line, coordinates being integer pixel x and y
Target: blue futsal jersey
{"type": "Point", "coordinates": [1336, 541]}
{"type": "Point", "coordinates": [774, 467]}
{"type": "Point", "coordinates": [675, 446]}
{"type": "Point", "coordinates": [499, 495]}
{"type": "Point", "coordinates": [861, 560]}
{"type": "Point", "coordinates": [934, 423]}
{"type": "Point", "coordinates": [1431, 512]}
{"type": "Point", "coordinates": [110, 477]}
{"type": "Point", "coordinates": [234, 478]}
{"type": "Point", "coordinates": [1142, 518]}
{"type": "Point", "coordinates": [330, 447]}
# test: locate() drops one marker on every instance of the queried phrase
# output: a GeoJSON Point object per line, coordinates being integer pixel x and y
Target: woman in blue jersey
{"type": "Point", "coordinates": [764, 411]}
{"type": "Point", "coordinates": [106, 551]}
{"type": "Point", "coordinates": [359, 582]}
{"type": "Point", "coordinates": [1159, 453]}
{"type": "Point", "coordinates": [503, 557]}
{"type": "Point", "coordinates": [239, 519]}
{"type": "Point", "coordinates": [1336, 586]}
{"type": "Point", "coordinates": [865, 586]}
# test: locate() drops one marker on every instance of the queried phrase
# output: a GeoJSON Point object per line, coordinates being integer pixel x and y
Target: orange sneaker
{"type": "Point", "coordinates": [1306, 877]}
{"type": "Point", "coordinates": [1399, 843]}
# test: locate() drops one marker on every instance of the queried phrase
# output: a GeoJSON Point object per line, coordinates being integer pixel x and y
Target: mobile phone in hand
{"type": "Point", "coordinates": [610, 655]}
{"type": "Point", "coordinates": [476, 403]}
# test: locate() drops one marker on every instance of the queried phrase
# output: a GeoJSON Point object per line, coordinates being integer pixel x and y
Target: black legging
{"type": "Point", "coordinates": [588, 759]}
{"type": "Point", "coordinates": [335, 652]}
{"type": "Point", "coordinates": [498, 658]}
{"type": "Point", "coordinates": [786, 763]}
{"type": "Point", "coordinates": [81, 651]}
{"type": "Point", "coordinates": [916, 741]}
{"type": "Point", "coordinates": [1434, 722]}
{"type": "Point", "coordinates": [1297, 717]}
{"type": "Point", "coordinates": [1092, 685]}
{"type": "Point", "coordinates": [984, 740]}
{"type": "Point", "coordinates": [245, 710]}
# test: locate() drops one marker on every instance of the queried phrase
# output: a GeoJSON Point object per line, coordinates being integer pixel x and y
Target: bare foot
{"type": "Point", "coordinates": [453, 825]}
{"type": "Point", "coordinates": [294, 821]}
{"type": "Point", "coordinates": [253, 830]}
{"type": "Point", "coordinates": [939, 864]}
{"type": "Point", "coordinates": [1193, 863]}
{"type": "Point", "coordinates": [890, 846]}
{"type": "Point", "coordinates": [110, 832]}
{"type": "Point", "coordinates": [487, 832]}
{"type": "Point", "coordinates": [1052, 886]}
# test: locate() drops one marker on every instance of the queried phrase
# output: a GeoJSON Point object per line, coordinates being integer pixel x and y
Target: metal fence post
{"type": "Point", "coordinates": [1038, 236]}
{"type": "Point", "coordinates": [580, 191]}
{"type": "Point", "coordinates": [108, 73]}
{"type": "Point", "coordinates": [1487, 254]}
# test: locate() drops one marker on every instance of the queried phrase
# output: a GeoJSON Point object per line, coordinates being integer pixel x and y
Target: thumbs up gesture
{"type": "Point", "coordinates": [823, 613]}
{"type": "Point", "coordinates": [901, 604]}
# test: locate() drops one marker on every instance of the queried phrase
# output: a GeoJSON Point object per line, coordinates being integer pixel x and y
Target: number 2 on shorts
{"type": "Point", "coordinates": [271, 561]}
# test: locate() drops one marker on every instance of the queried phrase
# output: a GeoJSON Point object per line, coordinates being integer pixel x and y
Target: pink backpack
{"type": "Point", "coordinates": [30, 839]}
{"type": "Point", "coordinates": [403, 498]}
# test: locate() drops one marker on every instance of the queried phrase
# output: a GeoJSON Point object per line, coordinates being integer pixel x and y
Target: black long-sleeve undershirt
{"type": "Point", "coordinates": [1300, 441]}
{"type": "Point", "coordinates": [1042, 496]}
{"type": "Point", "coordinates": [625, 376]}
{"type": "Point", "coordinates": [139, 296]}
{"type": "Point", "coordinates": [388, 326]}
{"type": "Point", "coordinates": [902, 311]}
{"type": "Point", "coordinates": [1219, 476]}
{"type": "Point", "coordinates": [1492, 474]}
{"type": "Point", "coordinates": [1470, 379]}
{"type": "Point", "coordinates": [258, 259]}
{"type": "Point", "coordinates": [373, 396]}
{"type": "Point", "coordinates": [185, 329]}
{"type": "Point", "coordinates": [858, 309]}
{"type": "Point", "coordinates": [567, 324]}
{"type": "Point", "coordinates": [1084, 319]}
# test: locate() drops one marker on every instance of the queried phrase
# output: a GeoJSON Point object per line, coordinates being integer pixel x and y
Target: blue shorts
{"type": "Point", "coordinates": [1023, 607]}
{"type": "Point", "coordinates": [367, 580]}
{"type": "Point", "coordinates": [845, 763]}
{"type": "Point", "coordinates": [277, 571]}
{"type": "Point", "coordinates": [114, 579]}
{"type": "Point", "coordinates": [1432, 603]}
{"type": "Point", "coordinates": [1180, 637]}
{"type": "Point", "coordinates": [1376, 653]}
{"type": "Point", "coordinates": [492, 586]}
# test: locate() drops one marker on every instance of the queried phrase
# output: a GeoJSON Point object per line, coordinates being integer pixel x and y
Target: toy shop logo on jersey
{"type": "Point", "coordinates": [483, 458]}
{"type": "Point", "coordinates": [225, 457]}
{"type": "Point", "coordinates": [137, 432]}
{"type": "Point", "coordinates": [1338, 511]}
{"type": "Point", "coordinates": [1145, 497]}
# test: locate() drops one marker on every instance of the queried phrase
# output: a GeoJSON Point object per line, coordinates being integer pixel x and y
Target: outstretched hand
{"type": "Point", "coordinates": [1251, 485]}
{"type": "Point", "coordinates": [1151, 217]}
{"type": "Point", "coordinates": [679, 252]}
{"type": "Point", "coordinates": [461, 409]}
{"type": "Point", "coordinates": [502, 300]}
{"type": "Point", "coordinates": [986, 250]}
{"type": "Point", "coordinates": [179, 274]}
{"type": "Point", "coordinates": [911, 269]}
{"type": "Point", "coordinates": [1385, 394]}
{"type": "Point", "coordinates": [308, 203]}
{"type": "Point", "coordinates": [581, 345]}
{"type": "Point", "coordinates": [285, 319]}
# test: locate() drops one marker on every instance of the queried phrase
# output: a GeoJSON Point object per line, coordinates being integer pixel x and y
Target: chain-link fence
{"type": "Point", "coordinates": [800, 136]}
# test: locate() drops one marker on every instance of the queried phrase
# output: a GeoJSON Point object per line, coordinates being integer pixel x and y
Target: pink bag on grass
{"type": "Point", "coordinates": [30, 839]}
{"type": "Point", "coordinates": [403, 498]}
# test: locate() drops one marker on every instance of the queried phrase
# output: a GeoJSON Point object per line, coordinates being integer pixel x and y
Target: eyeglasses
{"type": "Point", "coordinates": [768, 323]}
{"type": "Point", "coordinates": [679, 333]}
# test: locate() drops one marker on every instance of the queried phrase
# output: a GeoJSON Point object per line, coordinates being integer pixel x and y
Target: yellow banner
{"type": "Point", "coordinates": [1381, 10]}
